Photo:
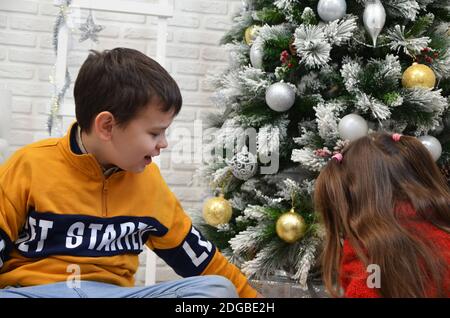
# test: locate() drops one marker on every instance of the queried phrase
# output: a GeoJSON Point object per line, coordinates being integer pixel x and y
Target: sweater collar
{"type": "Point", "coordinates": [85, 162]}
{"type": "Point", "coordinates": [80, 141]}
{"type": "Point", "coordinates": [76, 144]}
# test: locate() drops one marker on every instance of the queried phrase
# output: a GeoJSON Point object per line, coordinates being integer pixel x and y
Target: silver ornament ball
{"type": "Point", "coordinates": [330, 10]}
{"type": "Point", "coordinates": [374, 18]}
{"type": "Point", "coordinates": [256, 56]}
{"type": "Point", "coordinates": [244, 164]}
{"type": "Point", "coordinates": [433, 145]}
{"type": "Point", "coordinates": [280, 97]}
{"type": "Point", "coordinates": [352, 127]}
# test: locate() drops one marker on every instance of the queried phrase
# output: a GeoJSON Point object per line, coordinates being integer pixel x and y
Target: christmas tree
{"type": "Point", "coordinates": [304, 79]}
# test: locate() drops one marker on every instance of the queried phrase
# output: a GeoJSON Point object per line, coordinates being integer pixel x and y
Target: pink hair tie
{"type": "Point", "coordinates": [338, 157]}
{"type": "Point", "coordinates": [396, 137]}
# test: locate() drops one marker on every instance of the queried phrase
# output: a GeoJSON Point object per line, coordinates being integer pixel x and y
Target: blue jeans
{"type": "Point", "coordinates": [209, 286]}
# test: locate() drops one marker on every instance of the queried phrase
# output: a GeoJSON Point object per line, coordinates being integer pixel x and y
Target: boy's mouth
{"type": "Point", "coordinates": [148, 159]}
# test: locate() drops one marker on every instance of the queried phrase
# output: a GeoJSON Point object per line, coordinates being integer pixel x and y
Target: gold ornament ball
{"type": "Point", "coordinates": [418, 75]}
{"type": "Point", "coordinates": [217, 211]}
{"type": "Point", "coordinates": [290, 226]}
{"type": "Point", "coordinates": [250, 34]}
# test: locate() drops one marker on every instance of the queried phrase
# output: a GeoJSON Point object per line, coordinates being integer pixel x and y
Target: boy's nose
{"type": "Point", "coordinates": [163, 143]}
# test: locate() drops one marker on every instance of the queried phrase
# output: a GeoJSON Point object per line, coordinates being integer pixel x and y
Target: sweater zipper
{"type": "Point", "coordinates": [105, 198]}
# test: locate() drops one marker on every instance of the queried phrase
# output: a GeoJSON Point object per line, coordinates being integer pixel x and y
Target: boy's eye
{"type": "Point", "coordinates": [154, 134]}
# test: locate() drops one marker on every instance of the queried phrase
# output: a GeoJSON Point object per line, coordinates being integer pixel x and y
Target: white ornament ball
{"type": "Point", "coordinates": [330, 10]}
{"type": "Point", "coordinates": [352, 127]}
{"type": "Point", "coordinates": [244, 164]}
{"type": "Point", "coordinates": [256, 56]}
{"type": "Point", "coordinates": [280, 97]}
{"type": "Point", "coordinates": [433, 145]}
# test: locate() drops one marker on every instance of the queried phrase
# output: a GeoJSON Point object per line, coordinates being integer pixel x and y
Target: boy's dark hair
{"type": "Point", "coordinates": [122, 81]}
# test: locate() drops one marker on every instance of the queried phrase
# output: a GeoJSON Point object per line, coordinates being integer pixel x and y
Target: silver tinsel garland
{"type": "Point", "coordinates": [90, 30]}
{"type": "Point", "coordinates": [54, 124]}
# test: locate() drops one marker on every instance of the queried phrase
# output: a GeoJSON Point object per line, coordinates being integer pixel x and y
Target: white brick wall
{"type": "Point", "coordinates": [193, 52]}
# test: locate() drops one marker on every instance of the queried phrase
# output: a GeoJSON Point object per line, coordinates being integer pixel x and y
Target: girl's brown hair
{"type": "Point", "coordinates": [358, 199]}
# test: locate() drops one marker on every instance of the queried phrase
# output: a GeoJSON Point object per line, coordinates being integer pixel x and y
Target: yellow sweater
{"type": "Point", "coordinates": [58, 209]}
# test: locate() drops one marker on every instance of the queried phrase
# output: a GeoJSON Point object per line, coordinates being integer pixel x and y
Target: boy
{"type": "Point", "coordinates": [86, 203]}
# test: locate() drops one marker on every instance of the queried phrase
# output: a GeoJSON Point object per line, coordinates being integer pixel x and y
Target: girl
{"type": "Point", "coordinates": [385, 199]}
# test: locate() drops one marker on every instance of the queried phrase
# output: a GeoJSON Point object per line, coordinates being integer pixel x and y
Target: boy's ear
{"type": "Point", "coordinates": [103, 125]}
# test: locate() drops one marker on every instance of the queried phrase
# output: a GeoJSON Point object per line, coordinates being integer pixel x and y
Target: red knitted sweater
{"type": "Point", "coordinates": [353, 273]}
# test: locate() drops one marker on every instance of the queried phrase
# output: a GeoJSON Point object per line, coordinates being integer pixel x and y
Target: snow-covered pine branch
{"type": "Point", "coordinates": [327, 118]}
{"type": "Point", "coordinates": [307, 157]}
{"type": "Point", "coordinates": [238, 202]}
{"type": "Point", "coordinates": [312, 45]}
{"type": "Point", "coordinates": [307, 136]}
{"type": "Point", "coordinates": [238, 53]}
{"type": "Point", "coordinates": [248, 240]}
{"type": "Point", "coordinates": [424, 3]}
{"type": "Point", "coordinates": [378, 109]}
{"type": "Point", "coordinates": [265, 262]}
{"type": "Point", "coordinates": [284, 5]}
{"type": "Point", "coordinates": [220, 175]}
{"type": "Point", "coordinates": [430, 101]}
{"type": "Point", "coordinates": [274, 32]}
{"type": "Point", "coordinates": [310, 83]}
{"type": "Point", "coordinates": [308, 15]}
{"type": "Point", "coordinates": [230, 86]}
{"type": "Point", "coordinates": [441, 65]}
{"type": "Point", "coordinates": [229, 133]}
{"type": "Point", "coordinates": [350, 74]}
{"type": "Point", "coordinates": [388, 70]}
{"type": "Point", "coordinates": [306, 260]}
{"type": "Point", "coordinates": [271, 135]}
{"type": "Point", "coordinates": [288, 188]}
{"type": "Point", "coordinates": [411, 46]}
{"type": "Point", "coordinates": [340, 31]}
{"type": "Point", "coordinates": [287, 7]}
{"type": "Point", "coordinates": [206, 173]}
{"type": "Point", "coordinates": [407, 9]}
{"type": "Point", "coordinates": [253, 81]}
{"type": "Point", "coordinates": [240, 22]}
{"type": "Point", "coordinates": [252, 186]}
{"type": "Point", "coordinates": [307, 186]}
{"type": "Point", "coordinates": [389, 67]}
{"type": "Point", "coordinates": [255, 212]}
